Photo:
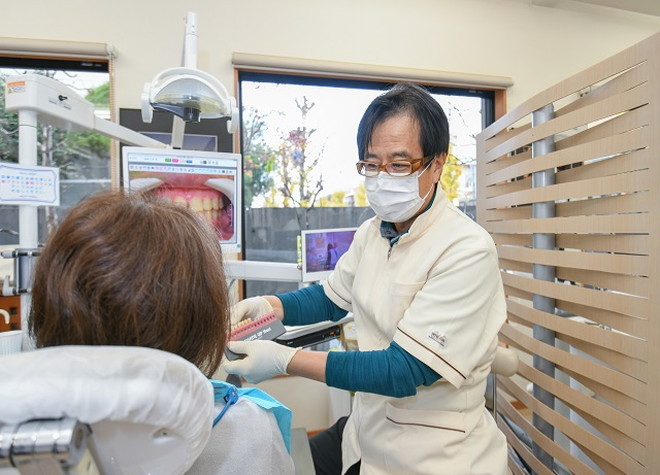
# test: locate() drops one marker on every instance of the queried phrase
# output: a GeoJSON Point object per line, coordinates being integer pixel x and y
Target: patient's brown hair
{"type": "Point", "coordinates": [133, 270]}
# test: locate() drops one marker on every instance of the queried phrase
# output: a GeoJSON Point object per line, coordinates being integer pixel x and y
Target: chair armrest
{"type": "Point", "coordinates": [505, 362]}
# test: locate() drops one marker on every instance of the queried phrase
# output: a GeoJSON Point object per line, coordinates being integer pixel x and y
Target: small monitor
{"type": "Point", "coordinates": [207, 182]}
{"type": "Point", "coordinates": [321, 249]}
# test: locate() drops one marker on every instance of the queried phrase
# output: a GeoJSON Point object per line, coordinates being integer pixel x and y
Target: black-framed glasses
{"type": "Point", "coordinates": [397, 168]}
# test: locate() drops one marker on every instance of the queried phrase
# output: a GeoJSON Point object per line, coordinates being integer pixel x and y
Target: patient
{"type": "Point", "coordinates": [133, 270]}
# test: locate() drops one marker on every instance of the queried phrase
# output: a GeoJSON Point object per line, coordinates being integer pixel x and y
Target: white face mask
{"type": "Point", "coordinates": [395, 199]}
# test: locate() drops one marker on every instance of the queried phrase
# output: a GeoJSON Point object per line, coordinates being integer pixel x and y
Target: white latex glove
{"type": "Point", "coordinates": [253, 307]}
{"type": "Point", "coordinates": [263, 359]}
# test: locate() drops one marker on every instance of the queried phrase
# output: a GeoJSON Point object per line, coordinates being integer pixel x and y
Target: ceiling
{"type": "Point", "coordinates": [648, 7]}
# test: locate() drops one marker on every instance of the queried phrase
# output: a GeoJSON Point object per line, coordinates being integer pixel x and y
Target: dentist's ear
{"type": "Point", "coordinates": [438, 165]}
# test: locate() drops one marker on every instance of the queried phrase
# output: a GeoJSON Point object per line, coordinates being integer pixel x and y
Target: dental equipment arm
{"type": "Point", "coordinates": [32, 95]}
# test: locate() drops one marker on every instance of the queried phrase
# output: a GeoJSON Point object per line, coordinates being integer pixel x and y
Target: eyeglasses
{"type": "Point", "coordinates": [397, 168]}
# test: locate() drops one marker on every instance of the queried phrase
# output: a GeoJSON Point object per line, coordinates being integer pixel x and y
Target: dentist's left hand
{"type": "Point", "coordinates": [263, 359]}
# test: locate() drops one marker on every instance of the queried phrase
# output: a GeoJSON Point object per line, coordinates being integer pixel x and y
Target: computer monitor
{"type": "Point", "coordinates": [207, 182]}
{"type": "Point", "coordinates": [321, 249]}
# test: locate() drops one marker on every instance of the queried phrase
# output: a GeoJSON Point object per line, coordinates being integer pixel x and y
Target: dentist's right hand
{"type": "Point", "coordinates": [263, 359]}
{"type": "Point", "coordinates": [253, 307]}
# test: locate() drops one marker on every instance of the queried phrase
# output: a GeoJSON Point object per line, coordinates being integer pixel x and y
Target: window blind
{"type": "Point", "coordinates": [55, 49]}
{"type": "Point", "coordinates": [292, 65]}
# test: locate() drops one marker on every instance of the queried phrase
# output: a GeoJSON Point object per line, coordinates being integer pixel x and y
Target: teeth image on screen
{"type": "Point", "coordinates": [209, 203]}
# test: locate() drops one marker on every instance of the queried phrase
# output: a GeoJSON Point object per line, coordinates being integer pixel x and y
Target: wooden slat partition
{"type": "Point", "coordinates": [599, 366]}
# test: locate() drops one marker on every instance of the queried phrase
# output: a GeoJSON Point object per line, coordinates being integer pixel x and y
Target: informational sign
{"type": "Point", "coordinates": [23, 185]}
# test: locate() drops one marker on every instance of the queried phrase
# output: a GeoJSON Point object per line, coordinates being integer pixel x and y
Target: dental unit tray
{"type": "Point", "coordinates": [313, 334]}
{"type": "Point", "coordinates": [266, 327]}
{"type": "Point", "coordinates": [311, 338]}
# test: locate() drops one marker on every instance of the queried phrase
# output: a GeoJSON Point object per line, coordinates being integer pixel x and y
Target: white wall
{"type": "Point", "coordinates": [494, 37]}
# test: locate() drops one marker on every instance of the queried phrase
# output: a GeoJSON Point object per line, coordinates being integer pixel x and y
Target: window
{"type": "Point", "coordinates": [82, 157]}
{"type": "Point", "coordinates": [299, 151]}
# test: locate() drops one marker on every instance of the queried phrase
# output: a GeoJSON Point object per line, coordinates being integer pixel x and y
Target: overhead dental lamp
{"type": "Point", "coordinates": [187, 92]}
{"type": "Point", "coordinates": [190, 94]}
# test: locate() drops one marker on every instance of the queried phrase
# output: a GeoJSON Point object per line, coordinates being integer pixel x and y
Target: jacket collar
{"type": "Point", "coordinates": [422, 222]}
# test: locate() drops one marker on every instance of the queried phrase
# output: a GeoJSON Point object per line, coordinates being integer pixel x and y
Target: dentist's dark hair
{"type": "Point", "coordinates": [416, 102]}
{"type": "Point", "coordinates": [133, 270]}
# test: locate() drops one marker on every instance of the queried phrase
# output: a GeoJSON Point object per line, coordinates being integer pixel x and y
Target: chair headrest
{"type": "Point", "coordinates": [95, 384]}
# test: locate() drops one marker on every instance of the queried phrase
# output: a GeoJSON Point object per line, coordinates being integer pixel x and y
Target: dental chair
{"type": "Point", "coordinates": [101, 410]}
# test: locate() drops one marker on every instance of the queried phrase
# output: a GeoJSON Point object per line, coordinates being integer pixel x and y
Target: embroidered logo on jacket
{"type": "Point", "coordinates": [439, 338]}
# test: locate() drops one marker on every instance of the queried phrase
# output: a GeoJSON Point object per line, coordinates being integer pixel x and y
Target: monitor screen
{"type": "Point", "coordinates": [321, 249]}
{"type": "Point", "coordinates": [207, 182]}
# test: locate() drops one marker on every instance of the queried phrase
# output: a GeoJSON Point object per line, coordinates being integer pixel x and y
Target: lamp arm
{"type": "Point", "coordinates": [59, 105]}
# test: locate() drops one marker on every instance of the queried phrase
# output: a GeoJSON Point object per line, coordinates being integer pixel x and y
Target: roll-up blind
{"type": "Point", "coordinates": [54, 48]}
{"type": "Point", "coordinates": [291, 65]}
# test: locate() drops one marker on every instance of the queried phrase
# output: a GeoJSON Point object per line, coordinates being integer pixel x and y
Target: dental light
{"type": "Point", "coordinates": [187, 92]}
{"type": "Point", "coordinates": [190, 94]}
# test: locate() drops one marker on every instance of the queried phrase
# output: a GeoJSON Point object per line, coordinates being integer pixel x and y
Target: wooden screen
{"type": "Point", "coordinates": [585, 399]}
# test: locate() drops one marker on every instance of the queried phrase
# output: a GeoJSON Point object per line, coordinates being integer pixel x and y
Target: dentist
{"type": "Point", "coordinates": [422, 280]}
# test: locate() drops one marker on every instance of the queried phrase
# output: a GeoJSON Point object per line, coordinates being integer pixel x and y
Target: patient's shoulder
{"type": "Point", "coordinates": [246, 440]}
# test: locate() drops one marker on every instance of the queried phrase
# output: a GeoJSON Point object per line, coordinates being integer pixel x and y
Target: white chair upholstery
{"type": "Point", "coordinates": [149, 411]}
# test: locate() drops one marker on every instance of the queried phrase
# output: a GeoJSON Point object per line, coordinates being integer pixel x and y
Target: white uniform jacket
{"type": "Point", "coordinates": [438, 293]}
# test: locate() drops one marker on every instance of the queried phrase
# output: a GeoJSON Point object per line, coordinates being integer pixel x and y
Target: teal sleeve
{"type": "Point", "coordinates": [391, 372]}
{"type": "Point", "coordinates": [309, 305]}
